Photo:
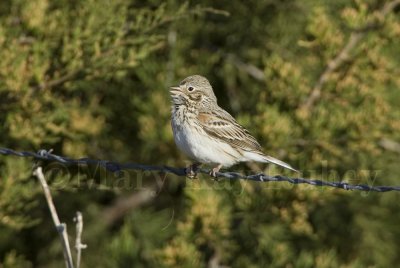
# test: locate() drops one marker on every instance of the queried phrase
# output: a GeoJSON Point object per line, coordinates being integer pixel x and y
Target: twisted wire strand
{"type": "Point", "coordinates": [115, 167]}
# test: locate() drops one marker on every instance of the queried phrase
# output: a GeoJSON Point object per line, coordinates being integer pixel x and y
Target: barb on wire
{"type": "Point", "coordinates": [116, 167]}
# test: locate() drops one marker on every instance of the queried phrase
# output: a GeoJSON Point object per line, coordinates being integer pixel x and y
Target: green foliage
{"type": "Point", "coordinates": [90, 78]}
{"type": "Point", "coordinates": [15, 261]}
{"type": "Point", "coordinates": [16, 201]}
{"type": "Point", "coordinates": [137, 247]}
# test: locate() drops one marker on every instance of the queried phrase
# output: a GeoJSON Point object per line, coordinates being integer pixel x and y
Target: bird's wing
{"type": "Point", "coordinates": [222, 126]}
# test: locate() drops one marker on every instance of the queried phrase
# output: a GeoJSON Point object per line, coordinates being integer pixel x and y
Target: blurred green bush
{"type": "Point", "coordinates": [90, 78]}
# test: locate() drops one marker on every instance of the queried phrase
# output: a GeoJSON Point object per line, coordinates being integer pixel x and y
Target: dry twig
{"type": "Point", "coordinates": [61, 227]}
{"type": "Point", "coordinates": [78, 242]}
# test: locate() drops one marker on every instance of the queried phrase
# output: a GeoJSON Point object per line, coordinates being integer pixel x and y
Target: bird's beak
{"type": "Point", "coordinates": [175, 90]}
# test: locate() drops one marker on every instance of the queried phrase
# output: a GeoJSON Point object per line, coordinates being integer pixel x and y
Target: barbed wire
{"type": "Point", "coordinates": [115, 167]}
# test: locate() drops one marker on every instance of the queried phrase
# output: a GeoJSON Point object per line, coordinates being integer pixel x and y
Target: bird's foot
{"type": "Point", "coordinates": [214, 171]}
{"type": "Point", "coordinates": [191, 171]}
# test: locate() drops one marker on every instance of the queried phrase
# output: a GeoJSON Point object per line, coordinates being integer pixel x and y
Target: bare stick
{"type": "Point", "coordinates": [390, 145]}
{"type": "Point", "coordinates": [125, 204]}
{"type": "Point", "coordinates": [250, 69]}
{"type": "Point", "coordinates": [61, 227]}
{"type": "Point", "coordinates": [78, 244]}
{"type": "Point", "coordinates": [344, 55]}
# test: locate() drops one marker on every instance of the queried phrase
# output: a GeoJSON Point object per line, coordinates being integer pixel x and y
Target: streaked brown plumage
{"type": "Point", "coordinates": [206, 132]}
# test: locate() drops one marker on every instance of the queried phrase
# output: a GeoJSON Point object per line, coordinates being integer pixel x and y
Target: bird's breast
{"type": "Point", "coordinates": [191, 138]}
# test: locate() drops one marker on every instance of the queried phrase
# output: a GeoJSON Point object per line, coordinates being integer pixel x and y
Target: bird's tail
{"type": "Point", "coordinates": [260, 157]}
{"type": "Point", "coordinates": [270, 159]}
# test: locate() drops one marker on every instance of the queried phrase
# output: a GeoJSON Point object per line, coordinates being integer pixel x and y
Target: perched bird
{"type": "Point", "coordinates": [207, 133]}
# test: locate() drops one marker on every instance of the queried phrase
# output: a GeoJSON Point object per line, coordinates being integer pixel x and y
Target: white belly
{"type": "Point", "coordinates": [196, 144]}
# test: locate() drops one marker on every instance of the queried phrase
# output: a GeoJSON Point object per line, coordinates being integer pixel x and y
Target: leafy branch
{"type": "Point", "coordinates": [344, 55]}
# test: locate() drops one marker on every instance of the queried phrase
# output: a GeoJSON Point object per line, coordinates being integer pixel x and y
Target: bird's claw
{"type": "Point", "coordinates": [191, 171]}
{"type": "Point", "coordinates": [213, 172]}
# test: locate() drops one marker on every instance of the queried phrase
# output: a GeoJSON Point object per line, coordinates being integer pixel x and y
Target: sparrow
{"type": "Point", "coordinates": [207, 133]}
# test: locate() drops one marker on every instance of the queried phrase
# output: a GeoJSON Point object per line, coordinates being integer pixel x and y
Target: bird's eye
{"type": "Point", "coordinates": [190, 88]}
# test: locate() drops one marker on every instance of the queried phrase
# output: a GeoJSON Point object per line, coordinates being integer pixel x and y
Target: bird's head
{"type": "Point", "coordinates": [194, 90]}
